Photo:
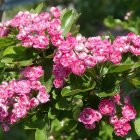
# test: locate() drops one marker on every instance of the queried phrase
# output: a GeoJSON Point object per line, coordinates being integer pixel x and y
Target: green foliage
{"type": "Point", "coordinates": [69, 18]}
{"type": "Point", "coordinates": [137, 126]}
{"type": "Point", "coordinates": [132, 24]}
{"type": "Point", "coordinates": [38, 8]}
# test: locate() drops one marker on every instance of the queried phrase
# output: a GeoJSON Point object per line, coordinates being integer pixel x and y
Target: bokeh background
{"type": "Point", "coordinates": [98, 17]}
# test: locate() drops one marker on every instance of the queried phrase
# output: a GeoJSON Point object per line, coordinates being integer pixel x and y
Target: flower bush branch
{"type": "Point", "coordinates": [59, 65]}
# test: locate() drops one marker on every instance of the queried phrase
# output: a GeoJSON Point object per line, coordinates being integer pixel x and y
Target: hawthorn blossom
{"type": "Point", "coordinates": [128, 112]}
{"type": "Point", "coordinates": [88, 116]}
{"type": "Point", "coordinates": [121, 127]}
{"type": "Point", "coordinates": [116, 99]}
{"type": "Point", "coordinates": [113, 119]}
{"type": "Point", "coordinates": [33, 73]}
{"type": "Point", "coordinates": [17, 97]}
{"type": "Point", "coordinates": [106, 107]}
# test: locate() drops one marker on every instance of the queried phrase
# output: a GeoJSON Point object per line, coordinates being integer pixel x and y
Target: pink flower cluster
{"type": "Point", "coordinates": [17, 97]}
{"type": "Point", "coordinates": [121, 125]}
{"type": "Point", "coordinates": [73, 54]}
{"type": "Point", "coordinates": [76, 54]}
{"type": "Point", "coordinates": [37, 30]}
{"type": "Point", "coordinates": [107, 107]}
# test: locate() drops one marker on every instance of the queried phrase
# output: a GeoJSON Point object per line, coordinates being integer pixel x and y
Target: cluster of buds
{"type": "Point", "coordinates": [107, 107]}
{"type": "Point", "coordinates": [17, 97]}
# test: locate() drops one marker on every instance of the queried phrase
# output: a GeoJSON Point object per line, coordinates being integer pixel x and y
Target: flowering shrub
{"type": "Point", "coordinates": [53, 79]}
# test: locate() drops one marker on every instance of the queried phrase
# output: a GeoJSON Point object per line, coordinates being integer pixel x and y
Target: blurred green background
{"type": "Point", "coordinates": [98, 17]}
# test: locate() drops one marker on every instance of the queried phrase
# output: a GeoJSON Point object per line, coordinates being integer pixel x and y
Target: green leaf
{"type": "Point", "coordinates": [68, 19]}
{"type": "Point", "coordinates": [119, 68]}
{"type": "Point", "coordinates": [51, 113]}
{"type": "Point", "coordinates": [134, 81]}
{"type": "Point", "coordinates": [109, 94]}
{"type": "Point", "coordinates": [63, 104]}
{"type": "Point", "coordinates": [5, 42]}
{"type": "Point", "coordinates": [137, 126]}
{"type": "Point", "coordinates": [2, 65]}
{"type": "Point", "coordinates": [17, 55]}
{"type": "Point", "coordinates": [105, 94]}
{"type": "Point", "coordinates": [9, 50]}
{"type": "Point", "coordinates": [47, 78]}
{"type": "Point", "coordinates": [106, 131]}
{"type": "Point", "coordinates": [39, 8]}
{"type": "Point", "coordinates": [72, 124]}
{"type": "Point", "coordinates": [75, 30]}
{"type": "Point", "coordinates": [40, 134]}
{"type": "Point", "coordinates": [76, 112]}
{"type": "Point", "coordinates": [68, 91]}
{"type": "Point", "coordinates": [111, 22]}
{"type": "Point", "coordinates": [136, 65]}
{"type": "Point", "coordinates": [63, 13]}
{"type": "Point", "coordinates": [78, 84]}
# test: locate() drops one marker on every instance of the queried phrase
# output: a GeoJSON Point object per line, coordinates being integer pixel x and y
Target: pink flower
{"type": "Point", "coordinates": [33, 73]}
{"type": "Point", "coordinates": [66, 45]}
{"type": "Point", "coordinates": [19, 111]}
{"type": "Point", "coordinates": [115, 57]}
{"type": "Point", "coordinates": [135, 41]}
{"type": "Point", "coordinates": [122, 44]}
{"type": "Point", "coordinates": [22, 19]}
{"type": "Point", "coordinates": [3, 30]}
{"type": "Point", "coordinates": [113, 119]}
{"type": "Point", "coordinates": [24, 100]}
{"type": "Point", "coordinates": [90, 61]}
{"type": "Point", "coordinates": [98, 115]}
{"type": "Point", "coordinates": [129, 112]}
{"type": "Point", "coordinates": [90, 126]}
{"type": "Point", "coordinates": [3, 111]}
{"type": "Point", "coordinates": [43, 97]}
{"type": "Point", "coordinates": [127, 99]}
{"type": "Point", "coordinates": [35, 85]}
{"type": "Point", "coordinates": [116, 99]}
{"type": "Point", "coordinates": [57, 40]}
{"type": "Point", "coordinates": [106, 107]}
{"type": "Point", "coordinates": [135, 49]}
{"type": "Point", "coordinates": [23, 87]}
{"type": "Point", "coordinates": [82, 56]}
{"type": "Point", "coordinates": [55, 12]}
{"type": "Point", "coordinates": [66, 59]}
{"type": "Point", "coordinates": [131, 36]}
{"type": "Point", "coordinates": [87, 116]}
{"type": "Point", "coordinates": [12, 119]}
{"type": "Point", "coordinates": [5, 127]}
{"type": "Point", "coordinates": [34, 102]}
{"type": "Point", "coordinates": [40, 41]}
{"type": "Point", "coordinates": [78, 67]}
{"type": "Point", "coordinates": [43, 16]}
{"type": "Point", "coordinates": [58, 82]}
{"type": "Point", "coordinates": [121, 128]}
{"type": "Point", "coordinates": [55, 24]}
